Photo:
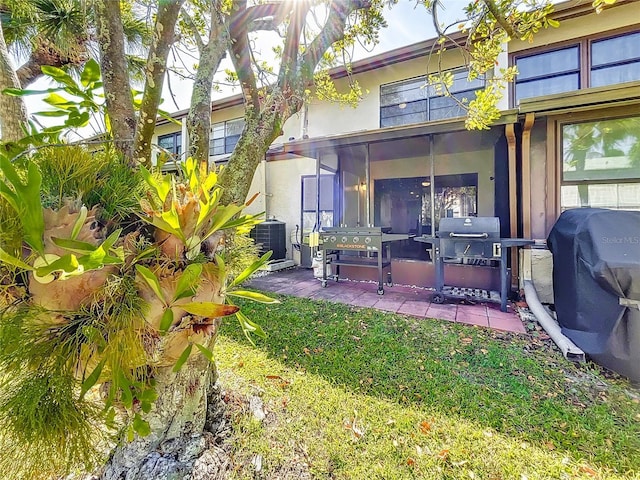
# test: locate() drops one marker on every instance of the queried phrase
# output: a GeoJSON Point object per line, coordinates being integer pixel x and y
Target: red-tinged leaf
{"type": "Point", "coordinates": [411, 462]}
{"type": "Point", "coordinates": [589, 471]}
{"type": "Point", "coordinates": [443, 454]}
{"type": "Point", "coordinates": [209, 309]}
{"type": "Point", "coordinates": [250, 201]}
{"type": "Point", "coordinates": [274, 377]}
{"type": "Point", "coordinates": [425, 427]}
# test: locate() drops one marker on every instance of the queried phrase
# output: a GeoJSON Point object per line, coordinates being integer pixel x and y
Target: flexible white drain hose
{"type": "Point", "coordinates": [567, 347]}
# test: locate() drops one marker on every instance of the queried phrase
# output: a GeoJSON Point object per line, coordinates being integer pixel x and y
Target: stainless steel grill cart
{"type": "Point", "coordinates": [348, 245]}
{"type": "Point", "coordinates": [472, 241]}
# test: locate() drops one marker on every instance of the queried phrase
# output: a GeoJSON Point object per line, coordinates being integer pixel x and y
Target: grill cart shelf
{"type": "Point", "coordinates": [471, 240]}
{"type": "Point", "coordinates": [343, 242]}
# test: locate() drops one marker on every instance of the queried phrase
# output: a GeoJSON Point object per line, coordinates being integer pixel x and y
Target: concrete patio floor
{"type": "Point", "coordinates": [299, 282]}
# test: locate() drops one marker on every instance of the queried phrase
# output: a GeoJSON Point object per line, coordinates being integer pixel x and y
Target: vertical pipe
{"type": "Point", "coordinates": [367, 189]}
{"type": "Point", "coordinates": [432, 190]}
{"type": "Point", "coordinates": [317, 225]}
{"type": "Point", "coordinates": [526, 174]}
{"type": "Point", "coordinates": [510, 133]}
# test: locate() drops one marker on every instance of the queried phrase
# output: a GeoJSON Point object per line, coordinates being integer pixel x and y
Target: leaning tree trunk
{"type": "Point", "coordinates": [199, 117]}
{"type": "Point", "coordinates": [164, 36]}
{"type": "Point", "coordinates": [13, 113]}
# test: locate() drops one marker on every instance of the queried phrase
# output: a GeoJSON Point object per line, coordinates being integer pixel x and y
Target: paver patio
{"type": "Point", "coordinates": [414, 301]}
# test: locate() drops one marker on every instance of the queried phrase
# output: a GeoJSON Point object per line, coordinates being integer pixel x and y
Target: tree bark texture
{"type": "Point", "coordinates": [13, 112]}
{"type": "Point", "coordinates": [199, 117]}
{"type": "Point", "coordinates": [187, 431]}
{"type": "Point", "coordinates": [115, 75]}
{"type": "Point", "coordinates": [163, 38]}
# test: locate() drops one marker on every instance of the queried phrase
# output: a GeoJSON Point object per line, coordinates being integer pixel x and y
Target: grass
{"type": "Point", "coordinates": [355, 393]}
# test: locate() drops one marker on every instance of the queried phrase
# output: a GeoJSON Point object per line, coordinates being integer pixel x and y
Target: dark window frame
{"type": "Point", "coordinates": [584, 45]}
{"type": "Point", "coordinates": [226, 142]}
{"type": "Point", "coordinates": [429, 94]}
{"type": "Point", "coordinates": [176, 148]}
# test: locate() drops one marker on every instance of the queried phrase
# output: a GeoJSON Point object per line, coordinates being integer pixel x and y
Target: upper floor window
{"type": "Point", "coordinates": [171, 142]}
{"type": "Point", "coordinates": [587, 63]}
{"type": "Point", "coordinates": [224, 136]}
{"type": "Point", "coordinates": [414, 101]}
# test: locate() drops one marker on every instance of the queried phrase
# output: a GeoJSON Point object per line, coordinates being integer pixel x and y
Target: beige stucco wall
{"type": "Point", "coordinates": [618, 16]}
{"type": "Point", "coordinates": [327, 118]}
{"type": "Point", "coordinates": [282, 196]}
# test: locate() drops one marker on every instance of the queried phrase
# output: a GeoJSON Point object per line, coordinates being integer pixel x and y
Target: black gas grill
{"type": "Point", "coordinates": [471, 241]}
{"type": "Point", "coordinates": [358, 247]}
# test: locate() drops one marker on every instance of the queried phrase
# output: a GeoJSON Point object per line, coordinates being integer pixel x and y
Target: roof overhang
{"type": "Point", "coordinates": [311, 146]}
{"type": "Point", "coordinates": [622, 94]}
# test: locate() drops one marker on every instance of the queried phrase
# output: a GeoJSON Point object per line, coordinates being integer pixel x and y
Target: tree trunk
{"type": "Point", "coordinates": [13, 113]}
{"type": "Point", "coordinates": [163, 39]}
{"type": "Point", "coordinates": [186, 430]}
{"type": "Point", "coordinates": [260, 131]}
{"type": "Point", "coordinates": [115, 75]}
{"type": "Point", "coordinates": [199, 117]}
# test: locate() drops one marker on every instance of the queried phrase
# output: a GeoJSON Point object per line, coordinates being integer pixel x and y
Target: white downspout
{"type": "Point", "coordinates": [569, 349]}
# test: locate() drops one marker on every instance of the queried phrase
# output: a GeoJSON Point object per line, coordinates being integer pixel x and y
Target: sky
{"type": "Point", "coordinates": [407, 23]}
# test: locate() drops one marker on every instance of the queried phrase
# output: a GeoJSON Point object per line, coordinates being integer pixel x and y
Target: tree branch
{"type": "Point", "coordinates": [241, 54]}
{"type": "Point", "coordinates": [332, 31]}
{"type": "Point", "coordinates": [500, 18]}
{"type": "Point", "coordinates": [289, 63]}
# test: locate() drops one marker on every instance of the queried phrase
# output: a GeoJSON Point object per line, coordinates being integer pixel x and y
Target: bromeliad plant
{"type": "Point", "coordinates": [101, 314]}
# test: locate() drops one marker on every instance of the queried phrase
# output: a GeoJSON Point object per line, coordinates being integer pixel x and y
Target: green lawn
{"type": "Point", "coordinates": [353, 393]}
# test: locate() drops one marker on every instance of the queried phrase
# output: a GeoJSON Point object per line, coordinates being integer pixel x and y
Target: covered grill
{"type": "Point", "coordinates": [349, 242]}
{"type": "Point", "coordinates": [472, 241]}
{"type": "Point", "coordinates": [596, 284]}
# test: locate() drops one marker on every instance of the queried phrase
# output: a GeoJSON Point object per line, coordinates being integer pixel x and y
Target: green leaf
{"type": "Point", "coordinates": [255, 296]}
{"type": "Point", "coordinates": [184, 356]}
{"type": "Point", "coordinates": [92, 379]}
{"type": "Point", "coordinates": [209, 309]}
{"type": "Point", "coordinates": [553, 23]}
{"type": "Point", "coordinates": [52, 113]}
{"type": "Point", "coordinates": [247, 272]}
{"type": "Point", "coordinates": [67, 263]}
{"type": "Point", "coordinates": [187, 281]}
{"type": "Point", "coordinates": [221, 217]}
{"type": "Point", "coordinates": [249, 327]}
{"type": "Point", "coordinates": [151, 280]}
{"type": "Point", "coordinates": [19, 92]}
{"type": "Point", "coordinates": [60, 102]}
{"type": "Point", "coordinates": [161, 188]}
{"type": "Point", "coordinates": [74, 245]}
{"type": "Point", "coordinates": [90, 73]}
{"type": "Point", "coordinates": [222, 269]}
{"type": "Point", "coordinates": [25, 199]}
{"type": "Point", "coordinates": [11, 260]}
{"type": "Point", "coordinates": [82, 216]}
{"type": "Point", "coordinates": [59, 75]}
{"type": "Point", "coordinates": [206, 352]}
{"type": "Point", "coordinates": [166, 321]}
{"type": "Point", "coordinates": [94, 335]}
{"type": "Point", "coordinates": [140, 426]}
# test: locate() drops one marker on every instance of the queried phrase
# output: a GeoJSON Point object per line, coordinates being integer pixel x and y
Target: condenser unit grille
{"type": "Point", "coordinates": [271, 235]}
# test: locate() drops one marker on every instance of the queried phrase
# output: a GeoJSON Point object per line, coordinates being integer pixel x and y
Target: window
{"type": "Point", "coordinates": [224, 136]}
{"type": "Point", "coordinates": [547, 73]}
{"type": "Point", "coordinates": [615, 60]}
{"type": "Point", "coordinates": [601, 164]}
{"type": "Point", "coordinates": [310, 199]}
{"type": "Point", "coordinates": [172, 143]}
{"type": "Point", "coordinates": [414, 101]}
{"type": "Point", "coordinates": [587, 63]}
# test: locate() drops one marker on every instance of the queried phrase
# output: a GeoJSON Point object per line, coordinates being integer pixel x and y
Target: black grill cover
{"type": "Point", "coordinates": [596, 262]}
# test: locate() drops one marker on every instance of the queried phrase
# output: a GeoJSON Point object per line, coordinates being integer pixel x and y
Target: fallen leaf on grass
{"type": "Point", "coordinates": [425, 427]}
{"type": "Point", "coordinates": [589, 471]}
{"type": "Point", "coordinates": [274, 377]}
{"type": "Point", "coordinates": [443, 454]}
{"type": "Point", "coordinates": [352, 425]}
{"type": "Point", "coordinates": [411, 462]}
{"type": "Point", "coordinates": [484, 351]}
{"type": "Point", "coordinates": [467, 340]}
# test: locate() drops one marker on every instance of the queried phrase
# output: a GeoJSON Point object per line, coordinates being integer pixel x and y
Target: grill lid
{"type": "Point", "coordinates": [469, 227]}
